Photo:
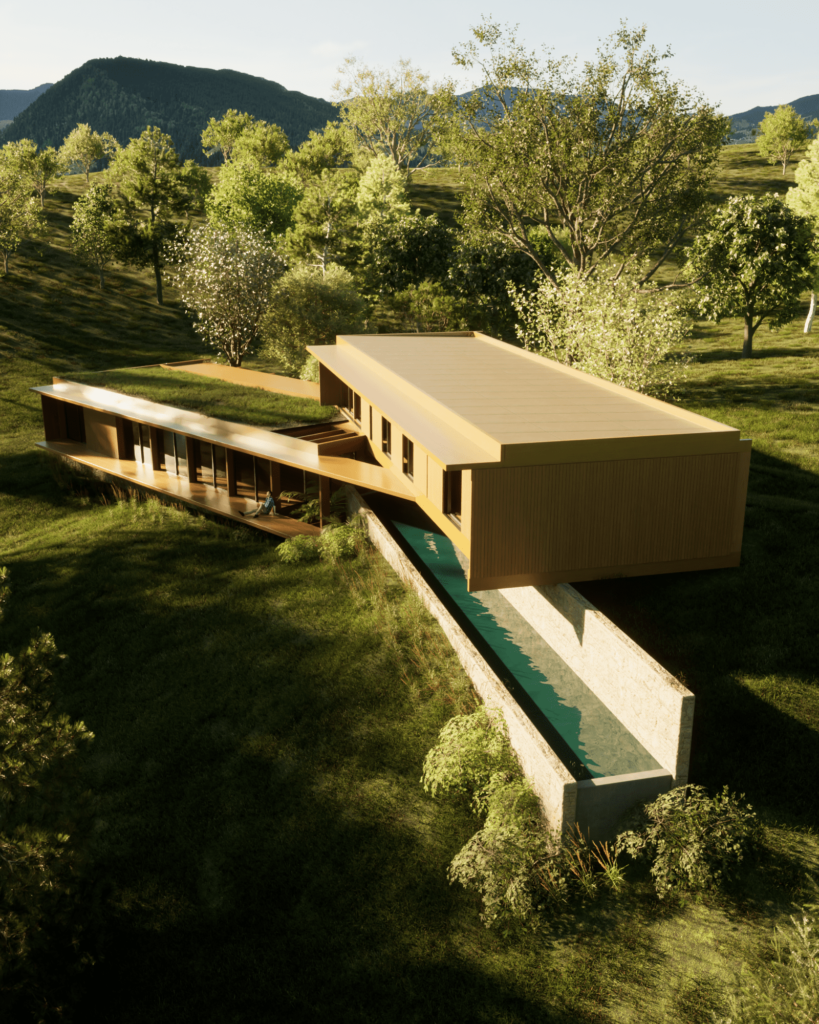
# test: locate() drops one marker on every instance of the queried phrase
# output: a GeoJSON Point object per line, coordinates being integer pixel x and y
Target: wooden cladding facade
{"type": "Point", "coordinates": [560, 523]}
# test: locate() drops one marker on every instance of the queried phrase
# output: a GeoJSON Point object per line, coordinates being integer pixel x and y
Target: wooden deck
{"type": "Point", "coordinates": [181, 489]}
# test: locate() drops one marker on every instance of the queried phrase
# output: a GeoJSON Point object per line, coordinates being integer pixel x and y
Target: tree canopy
{"type": "Point", "coordinates": [19, 216]}
{"type": "Point", "coordinates": [781, 133]}
{"type": "Point", "coordinates": [754, 260]}
{"type": "Point", "coordinates": [804, 200]}
{"type": "Point", "coordinates": [613, 161]}
{"type": "Point", "coordinates": [248, 196]}
{"type": "Point", "coordinates": [390, 111]}
{"type": "Point", "coordinates": [85, 147]}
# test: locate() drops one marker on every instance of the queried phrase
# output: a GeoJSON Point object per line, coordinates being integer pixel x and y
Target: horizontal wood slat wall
{"type": "Point", "coordinates": [547, 519]}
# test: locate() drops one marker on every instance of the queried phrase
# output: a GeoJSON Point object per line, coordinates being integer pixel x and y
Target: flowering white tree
{"type": "Point", "coordinates": [608, 326]}
{"type": "Point", "coordinates": [224, 276]}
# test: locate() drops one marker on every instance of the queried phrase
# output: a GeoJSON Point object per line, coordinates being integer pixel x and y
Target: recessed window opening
{"type": "Point", "coordinates": [357, 408]}
{"type": "Point", "coordinates": [386, 437]}
{"type": "Point", "coordinates": [452, 495]}
{"type": "Point", "coordinates": [142, 443]}
{"type": "Point", "coordinates": [408, 457]}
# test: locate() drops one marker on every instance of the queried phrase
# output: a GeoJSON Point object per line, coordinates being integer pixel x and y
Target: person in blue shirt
{"type": "Point", "coordinates": [266, 508]}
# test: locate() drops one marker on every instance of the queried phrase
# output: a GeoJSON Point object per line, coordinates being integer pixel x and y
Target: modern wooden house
{"type": "Point", "coordinates": [537, 472]}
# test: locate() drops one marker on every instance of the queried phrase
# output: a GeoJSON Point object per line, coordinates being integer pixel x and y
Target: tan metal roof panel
{"type": "Point", "coordinates": [503, 396]}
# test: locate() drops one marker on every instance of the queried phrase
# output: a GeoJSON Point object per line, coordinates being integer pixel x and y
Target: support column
{"type": "Point", "coordinates": [155, 459]}
{"type": "Point", "coordinates": [230, 466]}
{"type": "Point", "coordinates": [190, 452]}
{"type": "Point", "coordinates": [324, 498]}
{"type": "Point", "coordinates": [276, 482]}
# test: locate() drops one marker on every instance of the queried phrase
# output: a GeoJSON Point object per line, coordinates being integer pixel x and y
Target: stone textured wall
{"type": "Point", "coordinates": [649, 701]}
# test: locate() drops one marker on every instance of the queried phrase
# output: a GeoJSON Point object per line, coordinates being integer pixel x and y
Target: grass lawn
{"type": "Point", "coordinates": [265, 846]}
{"type": "Point", "coordinates": [210, 397]}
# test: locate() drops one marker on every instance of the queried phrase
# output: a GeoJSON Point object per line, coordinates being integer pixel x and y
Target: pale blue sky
{"type": "Point", "coordinates": [738, 55]}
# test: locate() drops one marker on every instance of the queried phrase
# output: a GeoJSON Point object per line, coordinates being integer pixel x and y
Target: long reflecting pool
{"type": "Point", "coordinates": [591, 741]}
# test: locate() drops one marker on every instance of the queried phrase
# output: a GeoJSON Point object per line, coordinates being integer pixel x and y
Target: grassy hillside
{"type": "Point", "coordinates": [123, 96]}
{"type": "Point", "coordinates": [260, 833]}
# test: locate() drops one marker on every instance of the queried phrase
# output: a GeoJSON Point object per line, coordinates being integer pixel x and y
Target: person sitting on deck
{"type": "Point", "coordinates": [266, 508]}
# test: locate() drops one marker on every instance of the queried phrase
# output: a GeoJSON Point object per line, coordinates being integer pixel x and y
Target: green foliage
{"type": "Point", "coordinates": [390, 112]}
{"type": "Point", "coordinates": [333, 147]}
{"type": "Point", "coordinates": [223, 133]}
{"type": "Point", "coordinates": [224, 276]}
{"type": "Point", "coordinates": [613, 161]}
{"type": "Point", "coordinates": [427, 307]}
{"type": "Point", "coordinates": [252, 198]}
{"type": "Point", "coordinates": [308, 307]}
{"type": "Point", "coordinates": [781, 133]}
{"type": "Point", "coordinates": [607, 326]}
{"type": "Point", "coordinates": [154, 186]}
{"type": "Point", "coordinates": [40, 899]}
{"type": "Point", "coordinates": [406, 251]}
{"type": "Point", "coordinates": [786, 989]}
{"type": "Point", "coordinates": [382, 194]}
{"type": "Point", "coordinates": [517, 866]}
{"type": "Point", "coordinates": [261, 144]}
{"type": "Point", "coordinates": [804, 199]}
{"type": "Point", "coordinates": [94, 230]}
{"type": "Point", "coordinates": [341, 542]}
{"type": "Point", "coordinates": [298, 549]}
{"type": "Point", "coordinates": [694, 841]}
{"type": "Point", "coordinates": [86, 147]}
{"type": "Point", "coordinates": [753, 260]}
{"type": "Point", "coordinates": [123, 95]}
{"type": "Point", "coordinates": [19, 216]}
{"type": "Point", "coordinates": [325, 225]}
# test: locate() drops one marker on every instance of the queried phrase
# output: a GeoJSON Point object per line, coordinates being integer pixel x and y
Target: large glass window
{"type": "Point", "coordinates": [386, 437]}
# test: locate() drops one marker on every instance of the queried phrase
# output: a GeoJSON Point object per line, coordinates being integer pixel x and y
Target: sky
{"type": "Point", "coordinates": [738, 56]}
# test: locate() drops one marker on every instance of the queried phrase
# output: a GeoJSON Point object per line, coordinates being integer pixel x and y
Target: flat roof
{"type": "Point", "coordinates": [513, 405]}
{"type": "Point", "coordinates": [268, 444]}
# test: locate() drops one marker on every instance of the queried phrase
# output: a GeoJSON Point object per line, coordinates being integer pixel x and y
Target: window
{"type": "Point", "coordinates": [407, 457]}
{"type": "Point", "coordinates": [452, 495]}
{"type": "Point", "coordinates": [357, 408]}
{"type": "Point", "coordinates": [386, 437]}
{"type": "Point", "coordinates": [142, 443]}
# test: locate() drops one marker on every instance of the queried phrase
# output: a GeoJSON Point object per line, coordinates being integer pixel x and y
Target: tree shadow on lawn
{"type": "Point", "coordinates": [771, 350]}
{"type": "Point", "coordinates": [270, 852]}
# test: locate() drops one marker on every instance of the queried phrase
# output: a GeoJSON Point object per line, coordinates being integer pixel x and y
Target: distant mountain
{"type": "Point", "coordinates": [14, 101]}
{"type": "Point", "coordinates": [123, 96]}
{"type": "Point", "coordinates": [743, 124]}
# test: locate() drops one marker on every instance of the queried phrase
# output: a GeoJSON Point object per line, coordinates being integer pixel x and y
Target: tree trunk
{"type": "Point", "coordinates": [811, 311]}
{"type": "Point", "coordinates": [748, 342]}
{"type": "Point", "coordinates": [158, 275]}
{"type": "Point", "coordinates": [102, 279]}
{"type": "Point", "coordinates": [5, 263]}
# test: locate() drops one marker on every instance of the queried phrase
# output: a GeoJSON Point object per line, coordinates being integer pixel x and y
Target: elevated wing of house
{"type": "Point", "coordinates": [538, 472]}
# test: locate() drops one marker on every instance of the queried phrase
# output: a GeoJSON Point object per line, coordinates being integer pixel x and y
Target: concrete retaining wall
{"type": "Point", "coordinates": [649, 701]}
{"type": "Point", "coordinates": [595, 805]}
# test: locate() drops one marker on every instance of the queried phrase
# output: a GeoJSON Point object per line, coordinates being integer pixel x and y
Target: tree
{"type": "Point", "coordinates": [84, 147]}
{"type": "Point", "coordinates": [40, 805]}
{"type": "Point", "coordinates": [614, 162]}
{"type": "Point", "coordinates": [224, 276]}
{"type": "Point", "coordinates": [407, 251]}
{"type": "Point", "coordinates": [262, 144]}
{"type": "Point", "coordinates": [324, 223]}
{"type": "Point", "coordinates": [390, 111]}
{"type": "Point", "coordinates": [154, 186]}
{"type": "Point", "coordinates": [335, 146]}
{"type": "Point", "coordinates": [382, 195]}
{"type": "Point", "coordinates": [47, 165]}
{"type": "Point", "coordinates": [222, 134]}
{"type": "Point", "coordinates": [310, 308]}
{"type": "Point", "coordinates": [19, 216]}
{"type": "Point", "coordinates": [607, 326]}
{"type": "Point", "coordinates": [754, 261]}
{"type": "Point", "coordinates": [248, 196]}
{"type": "Point", "coordinates": [804, 200]}
{"type": "Point", "coordinates": [780, 134]}
{"type": "Point", "coordinates": [94, 238]}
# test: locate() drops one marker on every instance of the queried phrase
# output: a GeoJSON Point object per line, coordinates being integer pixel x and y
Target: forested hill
{"type": "Point", "coordinates": [12, 101]}
{"type": "Point", "coordinates": [122, 95]}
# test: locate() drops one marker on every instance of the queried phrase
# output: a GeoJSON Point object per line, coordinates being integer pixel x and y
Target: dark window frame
{"type": "Point", "coordinates": [386, 437]}
{"type": "Point", "coordinates": [408, 457]}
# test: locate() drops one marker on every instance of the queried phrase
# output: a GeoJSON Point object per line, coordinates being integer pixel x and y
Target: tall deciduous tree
{"type": "Point", "coordinates": [223, 133]}
{"type": "Point", "coordinates": [19, 216]}
{"type": "Point", "coordinates": [614, 161]}
{"type": "Point", "coordinates": [325, 224]}
{"type": "Point", "coordinates": [155, 187]}
{"type": "Point", "coordinates": [390, 111]}
{"type": "Point", "coordinates": [84, 146]}
{"type": "Point", "coordinates": [262, 144]}
{"type": "Point", "coordinates": [780, 134]}
{"type": "Point", "coordinates": [248, 196]}
{"type": "Point", "coordinates": [754, 260]}
{"type": "Point", "coordinates": [46, 165]}
{"type": "Point", "coordinates": [224, 276]}
{"type": "Point", "coordinates": [94, 238]}
{"type": "Point", "coordinates": [804, 200]}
